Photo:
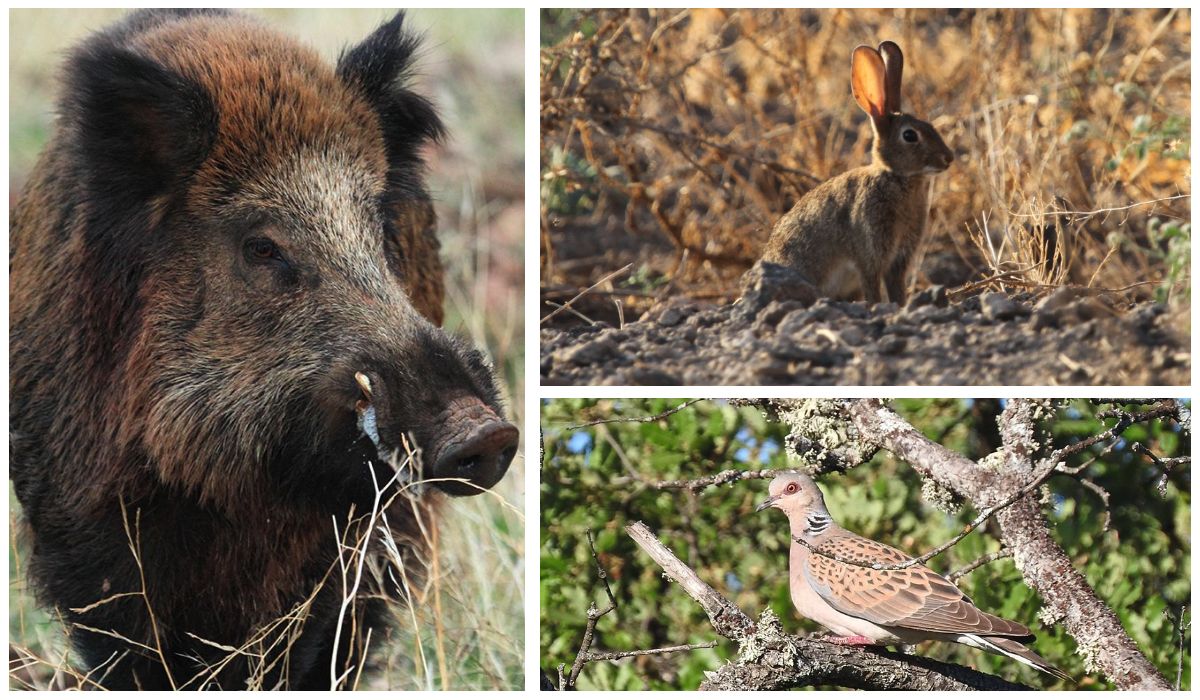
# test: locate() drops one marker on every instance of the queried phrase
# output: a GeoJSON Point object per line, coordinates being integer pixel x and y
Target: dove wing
{"type": "Point", "coordinates": [915, 598]}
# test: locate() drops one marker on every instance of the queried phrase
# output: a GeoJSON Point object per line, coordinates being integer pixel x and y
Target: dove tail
{"type": "Point", "coordinates": [1016, 651]}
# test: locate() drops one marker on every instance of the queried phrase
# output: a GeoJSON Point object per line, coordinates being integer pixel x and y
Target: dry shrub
{"type": "Point", "coordinates": [677, 138]}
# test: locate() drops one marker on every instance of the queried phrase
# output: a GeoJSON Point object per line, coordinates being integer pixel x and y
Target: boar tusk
{"type": "Point", "coordinates": [364, 383]}
{"type": "Point", "coordinates": [367, 421]}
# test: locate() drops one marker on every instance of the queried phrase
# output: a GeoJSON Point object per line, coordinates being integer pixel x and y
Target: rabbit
{"type": "Point", "coordinates": [861, 230]}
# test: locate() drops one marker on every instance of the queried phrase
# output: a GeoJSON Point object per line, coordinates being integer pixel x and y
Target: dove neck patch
{"type": "Point", "coordinates": [817, 523]}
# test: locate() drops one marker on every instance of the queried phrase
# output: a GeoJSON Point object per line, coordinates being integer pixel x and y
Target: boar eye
{"type": "Point", "coordinates": [261, 250]}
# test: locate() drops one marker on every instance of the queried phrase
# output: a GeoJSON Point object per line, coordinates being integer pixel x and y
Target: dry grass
{"type": "Point", "coordinates": [468, 633]}
{"type": "Point", "coordinates": [676, 139]}
{"type": "Point", "coordinates": [433, 646]}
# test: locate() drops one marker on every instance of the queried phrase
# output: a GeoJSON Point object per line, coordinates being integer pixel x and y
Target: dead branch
{"type": "Point", "coordinates": [726, 618]}
{"type": "Point", "coordinates": [593, 616]}
{"type": "Point", "coordinates": [636, 419]}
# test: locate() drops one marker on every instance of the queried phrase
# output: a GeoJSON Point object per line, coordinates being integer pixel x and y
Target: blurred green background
{"type": "Point", "coordinates": [601, 477]}
{"type": "Point", "coordinates": [472, 66]}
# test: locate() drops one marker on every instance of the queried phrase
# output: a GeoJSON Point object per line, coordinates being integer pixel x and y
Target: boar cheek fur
{"type": "Point", "coordinates": [164, 120]}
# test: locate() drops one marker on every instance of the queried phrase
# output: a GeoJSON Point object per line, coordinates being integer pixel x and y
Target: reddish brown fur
{"type": "Point", "coordinates": [153, 368]}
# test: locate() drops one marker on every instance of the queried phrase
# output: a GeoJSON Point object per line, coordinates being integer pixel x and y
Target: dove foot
{"type": "Point", "coordinates": [855, 641]}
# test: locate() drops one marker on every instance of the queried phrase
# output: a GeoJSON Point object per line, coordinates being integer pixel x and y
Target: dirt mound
{"type": "Point", "coordinates": [1071, 337]}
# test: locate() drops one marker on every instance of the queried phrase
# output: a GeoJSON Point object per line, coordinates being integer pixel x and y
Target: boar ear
{"type": "Point", "coordinates": [139, 127]}
{"type": "Point", "coordinates": [379, 68]}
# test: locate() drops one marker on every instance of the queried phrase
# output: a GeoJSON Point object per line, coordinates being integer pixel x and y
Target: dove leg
{"type": "Point", "coordinates": [855, 641]}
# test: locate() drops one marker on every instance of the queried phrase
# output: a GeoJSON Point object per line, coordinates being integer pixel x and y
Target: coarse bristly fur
{"type": "Point", "coordinates": [221, 234]}
{"type": "Point", "coordinates": [859, 232]}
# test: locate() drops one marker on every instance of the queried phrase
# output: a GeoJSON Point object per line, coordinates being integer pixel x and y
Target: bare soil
{"type": "Point", "coordinates": [1070, 337]}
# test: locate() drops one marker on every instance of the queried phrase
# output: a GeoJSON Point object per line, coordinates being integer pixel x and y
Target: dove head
{"type": "Point", "coordinates": [794, 493]}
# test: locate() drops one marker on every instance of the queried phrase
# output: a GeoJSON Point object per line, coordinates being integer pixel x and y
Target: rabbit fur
{"type": "Point", "coordinates": [858, 233]}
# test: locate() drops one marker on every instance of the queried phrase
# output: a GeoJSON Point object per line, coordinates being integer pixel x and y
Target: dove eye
{"type": "Point", "coordinates": [791, 488]}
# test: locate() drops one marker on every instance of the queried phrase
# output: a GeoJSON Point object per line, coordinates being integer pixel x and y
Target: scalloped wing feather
{"type": "Point", "coordinates": [916, 598]}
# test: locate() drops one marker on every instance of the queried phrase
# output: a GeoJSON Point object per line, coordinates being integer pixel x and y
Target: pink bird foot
{"type": "Point", "coordinates": [855, 641]}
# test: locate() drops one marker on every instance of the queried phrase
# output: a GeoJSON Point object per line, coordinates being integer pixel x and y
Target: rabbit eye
{"type": "Point", "coordinates": [910, 135]}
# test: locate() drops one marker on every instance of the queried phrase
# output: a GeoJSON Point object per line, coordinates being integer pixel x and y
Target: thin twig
{"type": "Point", "coordinates": [726, 477]}
{"type": "Point", "coordinates": [587, 655]}
{"type": "Point", "coordinates": [1180, 627]}
{"type": "Point", "coordinates": [1002, 553]}
{"type": "Point", "coordinates": [350, 593]}
{"type": "Point", "coordinates": [966, 289]}
{"type": "Point", "coordinates": [1012, 276]}
{"type": "Point", "coordinates": [135, 546]}
{"type": "Point", "coordinates": [1165, 407]}
{"type": "Point", "coordinates": [1165, 464]}
{"type": "Point", "coordinates": [637, 419]}
{"type": "Point", "coordinates": [1104, 496]}
{"type": "Point", "coordinates": [559, 307]}
{"type": "Point", "coordinates": [615, 655]}
{"type": "Point", "coordinates": [576, 298]}
{"type": "Point", "coordinates": [1124, 420]}
{"type": "Point", "coordinates": [600, 569]}
{"type": "Point", "coordinates": [1105, 210]}
{"type": "Point", "coordinates": [593, 615]}
{"type": "Point", "coordinates": [1072, 471]}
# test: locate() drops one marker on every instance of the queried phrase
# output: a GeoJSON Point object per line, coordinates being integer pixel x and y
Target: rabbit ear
{"type": "Point", "coordinates": [893, 63]}
{"type": "Point", "coordinates": [867, 83]}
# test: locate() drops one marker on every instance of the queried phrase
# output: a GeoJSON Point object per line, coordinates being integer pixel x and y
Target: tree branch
{"type": "Point", "coordinates": [636, 419]}
{"type": "Point", "coordinates": [803, 662]}
{"type": "Point", "coordinates": [768, 659]}
{"type": "Point", "coordinates": [593, 616]}
{"type": "Point", "coordinates": [1002, 553]}
{"type": "Point", "coordinates": [726, 618]}
{"type": "Point", "coordinates": [728, 476]}
{"type": "Point", "coordinates": [1066, 595]}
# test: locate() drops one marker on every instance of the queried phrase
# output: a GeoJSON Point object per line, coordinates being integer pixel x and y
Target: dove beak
{"type": "Point", "coordinates": [766, 504]}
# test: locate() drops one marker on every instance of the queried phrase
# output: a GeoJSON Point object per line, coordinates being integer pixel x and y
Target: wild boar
{"type": "Point", "coordinates": [225, 304]}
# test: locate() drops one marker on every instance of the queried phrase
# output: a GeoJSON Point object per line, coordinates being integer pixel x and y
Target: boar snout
{"type": "Point", "coordinates": [441, 393]}
{"type": "Point", "coordinates": [475, 445]}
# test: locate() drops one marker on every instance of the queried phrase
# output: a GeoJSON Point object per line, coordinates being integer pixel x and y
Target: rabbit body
{"type": "Point", "coordinates": [859, 233]}
{"type": "Point", "coordinates": [822, 237]}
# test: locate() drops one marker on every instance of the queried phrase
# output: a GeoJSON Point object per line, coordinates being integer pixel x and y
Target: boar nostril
{"type": "Point", "coordinates": [481, 458]}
